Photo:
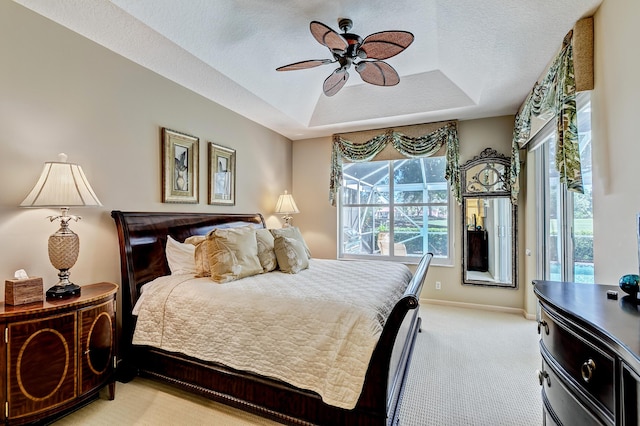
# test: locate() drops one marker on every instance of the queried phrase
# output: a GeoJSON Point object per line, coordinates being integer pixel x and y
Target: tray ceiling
{"type": "Point", "coordinates": [470, 59]}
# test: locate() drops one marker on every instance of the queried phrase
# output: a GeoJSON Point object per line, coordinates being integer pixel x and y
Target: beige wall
{"type": "Point", "coordinates": [60, 92]}
{"type": "Point", "coordinates": [616, 146]}
{"type": "Point", "coordinates": [318, 220]}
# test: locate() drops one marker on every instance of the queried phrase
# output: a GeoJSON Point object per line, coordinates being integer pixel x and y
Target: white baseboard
{"type": "Point", "coordinates": [517, 311]}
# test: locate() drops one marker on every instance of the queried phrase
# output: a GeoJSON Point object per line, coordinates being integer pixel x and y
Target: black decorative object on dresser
{"type": "Point", "coordinates": [590, 346]}
{"type": "Point", "coordinates": [56, 355]}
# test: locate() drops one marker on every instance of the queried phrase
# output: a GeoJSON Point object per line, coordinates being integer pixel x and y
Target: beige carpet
{"type": "Point", "coordinates": [473, 368]}
{"type": "Point", "coordinates": [470, 367]}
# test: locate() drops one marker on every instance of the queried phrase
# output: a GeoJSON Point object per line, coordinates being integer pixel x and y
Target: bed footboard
{"type": "Point", "coordinates": [392, 355]}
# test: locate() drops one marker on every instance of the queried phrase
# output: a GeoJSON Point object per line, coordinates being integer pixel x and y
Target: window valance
{"type": "Point", "coordinates": [412, 147]}
{"type": "Point", "coordinates": [555, 95]}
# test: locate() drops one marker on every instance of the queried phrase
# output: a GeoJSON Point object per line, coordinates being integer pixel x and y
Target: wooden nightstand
{"type": "Point", "coordinates": [57, 354]}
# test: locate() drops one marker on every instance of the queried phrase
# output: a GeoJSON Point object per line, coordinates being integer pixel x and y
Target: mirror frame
{"type": "Point", "coordinates": [487, 156]}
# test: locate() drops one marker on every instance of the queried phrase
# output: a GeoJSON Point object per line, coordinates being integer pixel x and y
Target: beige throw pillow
{"type": "Point", "coordinates": [291, 232]}
{"type": "Point", "coordinates": [266, 255]}
{"type": "Point", "coordinates": [291, 255]}
{"type": "Point", "coordinates": [233, 253]}
{"type": "Point", "coordinates": [201, 257]}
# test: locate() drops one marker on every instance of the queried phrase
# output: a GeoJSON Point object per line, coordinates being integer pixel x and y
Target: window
{"type": "Point", "coordinates": [397, 209]}
{"type": "Point", "coordinates": [565, 223]}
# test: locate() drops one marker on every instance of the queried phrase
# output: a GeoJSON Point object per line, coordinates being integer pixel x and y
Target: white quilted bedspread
{"type": "Point", "coordinates": [315, 330]}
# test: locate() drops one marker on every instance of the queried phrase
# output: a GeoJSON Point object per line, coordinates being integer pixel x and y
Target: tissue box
{"type": "Point", "coordinates": [21, 291]}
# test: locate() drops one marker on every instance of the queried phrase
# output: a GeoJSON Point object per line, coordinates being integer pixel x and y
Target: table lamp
{"type": "Point", "coordinates": [287, 206]}
{"type": "Point", "coordinates": [62, 185]}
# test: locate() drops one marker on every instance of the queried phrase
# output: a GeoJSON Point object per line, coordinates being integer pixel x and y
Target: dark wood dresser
{"type": "Point", "coordinates": [56, 355]}
{"type": "Point", "coordinates": [590, 348]}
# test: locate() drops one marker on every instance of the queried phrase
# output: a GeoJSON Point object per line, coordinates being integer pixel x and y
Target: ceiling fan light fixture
{"type": "Point", "coordinates": [348, 49]}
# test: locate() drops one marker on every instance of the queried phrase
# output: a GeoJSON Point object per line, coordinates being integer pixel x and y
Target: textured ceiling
{"type": "Point", "coordinates": [470, 59]}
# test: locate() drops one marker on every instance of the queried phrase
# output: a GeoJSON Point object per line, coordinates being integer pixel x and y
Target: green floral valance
{"type": "Point", "coordinates": [412, 147]}
{"type": "Point", "coordinates": [556, 94]}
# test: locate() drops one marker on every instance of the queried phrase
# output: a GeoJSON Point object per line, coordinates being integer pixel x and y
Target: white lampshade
{"type": "Point", "coordinates": [286, 204]}
{"type": "Point", "coordinates": [61, 184]}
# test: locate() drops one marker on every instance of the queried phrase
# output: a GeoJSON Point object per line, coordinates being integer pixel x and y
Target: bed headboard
{"type": "Point", "coordinates": [143, 235]}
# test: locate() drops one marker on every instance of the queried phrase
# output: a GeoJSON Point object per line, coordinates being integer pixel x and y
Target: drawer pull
{"type": "Point", "coordinates": [544, 324]}
{"type": "Point", "coordinates": [588, 367]}
{"type": "Point", "coordinates": [543, 375]}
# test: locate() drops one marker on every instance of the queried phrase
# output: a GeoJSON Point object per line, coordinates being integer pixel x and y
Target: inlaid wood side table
{"type": "Point", "coordinates": [56, 355]}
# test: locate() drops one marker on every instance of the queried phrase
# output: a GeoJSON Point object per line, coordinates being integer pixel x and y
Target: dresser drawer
{"type": "Point", "coordinates": [630, 396]}
{"type": "Point", "coordinates": [588, 366]}
{"type": "Point", "coordinates": [561, 405]}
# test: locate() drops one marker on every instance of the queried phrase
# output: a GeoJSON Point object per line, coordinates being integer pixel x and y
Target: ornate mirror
{"type": "Point", "coordinates": [489, 240]}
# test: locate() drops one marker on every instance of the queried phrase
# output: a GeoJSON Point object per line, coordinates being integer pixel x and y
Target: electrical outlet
{"type": "Point", "coordinates": [438, 285]}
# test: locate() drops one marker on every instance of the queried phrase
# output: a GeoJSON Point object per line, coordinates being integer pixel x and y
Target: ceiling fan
{"type": "Point", "coordinates": [350, 49]}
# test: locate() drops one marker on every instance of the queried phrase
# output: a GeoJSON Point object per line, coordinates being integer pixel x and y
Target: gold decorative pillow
{"type": "Point", "coordinates": [266, 255]}
{"type": "Point", "coordinates": [291, 255]}
{"type": "Point", "coordinates": [291, 232]}
{"type": "Point", "coordinates": [201, 257]}
{"type": "Point", "coordinates": [233, 253]}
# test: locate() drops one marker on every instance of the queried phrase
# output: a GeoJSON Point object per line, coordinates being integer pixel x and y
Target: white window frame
{"type": "Point", "coordinates": [539, 147]}
{"type": "Point", "coordinates": [437, 260]}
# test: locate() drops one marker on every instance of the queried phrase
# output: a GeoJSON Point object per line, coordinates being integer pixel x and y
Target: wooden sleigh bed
{"type": "Point", "coordinates": [142, 239]}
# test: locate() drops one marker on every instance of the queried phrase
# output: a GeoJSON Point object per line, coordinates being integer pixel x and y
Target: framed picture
{"type": "Point", "coordinates": [222, 175]}
{"type": "Point", "coordinates": [179, 167]}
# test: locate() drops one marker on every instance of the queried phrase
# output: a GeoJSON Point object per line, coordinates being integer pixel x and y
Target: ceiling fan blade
{"type": "Point", "coordinates": [327, 36]}
{"type": "Point", "coordinates": [386, 44]}
{"type": "Point", "coordinates": [304, 64]}
{"type": "Point", "coordinates": [378, 72]}
{"type": "Point", "coordinates": [335, 81]}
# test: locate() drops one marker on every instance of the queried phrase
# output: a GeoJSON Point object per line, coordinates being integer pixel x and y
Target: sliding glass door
{"type": "Point", "coordinates": [565, 219]}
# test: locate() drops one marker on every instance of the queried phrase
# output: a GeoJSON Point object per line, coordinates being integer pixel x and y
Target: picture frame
{"type": "Point", "coordinates": [179, 167]}
{"type": "Point", "coordinates": [222, 175]}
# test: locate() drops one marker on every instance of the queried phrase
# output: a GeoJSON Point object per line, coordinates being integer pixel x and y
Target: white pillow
{"type": "Point", "coordinates": [180, 257]}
